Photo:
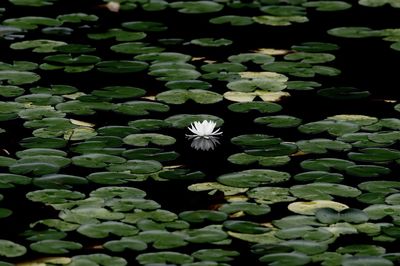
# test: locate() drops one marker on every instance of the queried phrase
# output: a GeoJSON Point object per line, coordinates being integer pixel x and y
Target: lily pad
{"type": "Point", "coordinates": [164, 257]}
{"type": "Point", "coordinates": [179, 96]}
{"type": "Point", "coordinates": [253, 178]}
{"type": "Point", "coordinates": [55, 246]}
{"type": "Point", "coordinates": [323, 191]}
{"type": "Point", "coordinates": [233, 20]}
{"type": "Point", "coordinates": [102, 230]}
{"type": "Point", "coordinates": [196, 7]}
{"type": "Point", "coordinates": [211, 42]}
{"type": "Point", "coordinates": [11, 249]}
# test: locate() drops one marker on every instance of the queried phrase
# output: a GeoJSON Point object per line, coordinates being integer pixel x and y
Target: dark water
{"type": "Point", "coordinates": [367, 64]}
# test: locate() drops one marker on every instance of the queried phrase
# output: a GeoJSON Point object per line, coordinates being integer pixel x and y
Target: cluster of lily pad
{"type": "Point", "coordinates": [95, 125]}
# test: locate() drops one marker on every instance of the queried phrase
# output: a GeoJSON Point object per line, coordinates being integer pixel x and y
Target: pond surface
{"type": "Point", "coordinates": [96, 101]}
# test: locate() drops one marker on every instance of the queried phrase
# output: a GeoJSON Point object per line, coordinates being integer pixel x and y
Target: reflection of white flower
{"type": "Point", "coordinates": [203, 129]}
{"type": "Point", "coordinates": [205, 144]}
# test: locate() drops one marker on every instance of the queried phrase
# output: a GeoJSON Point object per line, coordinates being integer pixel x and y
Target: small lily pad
{"type": "Point", "coordinates": [211, 42]}
{"type": "Point", "coordinates": [10, 249]}
{"type": "Point", "coordinates": [55, 246]}
{"type": "Point", "coordinates": [253, 178]}
{"type": "Point", "coordinates": [197, 7]}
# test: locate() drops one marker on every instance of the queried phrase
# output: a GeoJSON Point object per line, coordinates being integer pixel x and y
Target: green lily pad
{"type": "Point", "coordinates": [111, 178]}
{"type": "Point", "coordinates": [255, 58]}
{"type": "Point", "coordinates": [59, 181]}
{"type": "Point", "coordinates": [246, 207]}
{"type": "Point", "coordinates": [32, 22]}
{"type": "Point", "coordinates": [96, 160]}
{"type": "Point", "coordinates": [173, 74]}
{"type": "Point", "coordinates": [55, 246]}
{"type": "Point", "coordinates": [141, 107]}
{"type": "Point", "coordinates": [305, 232]}
{"type": "Point", "coordinates": [366, 261]}
{"type": "Point", "coordinates": [125, 244]}
{"type": "Point", "coordinates": [245, 227]}
{"type": "Point", "coordinates": [253, 178]}
{"type": "Point", "coordinates": [328, 5]}
{"type": "Point", "coordinates": [323, 191]}
{"type": "Point", "coordinates": [322, 145]}
{"type": "Point", "coordinates": [271, 82]}
{"type": "Point", "coordinates": [281, 149]}
{"type": "Point", "coordinates": [150, 154]}
{"type": "Point", "coordinates": [279, 121]}
{"type": "Point", "coordinates": [34, 3]}
{"type": "Point", "coordinates": [196, 7]}
{"type": "Point", "coordinates": [36, 168]}
{"type": "Point", "coordinates": [163, 257]}
{"type": "Point", "coordinates": [120, 192]}
{"type": "Point", "coordinates": [18, 65]}
{"type": "Point", "coordinates": [181, 174]}
{"type": "Point", "coordinates": [162, 239]}
{"type": "Point", "coordinates": [179, 96]}
{"type": "Point", "coordinates": [233, 20]}
{"type": "Point", "coordinates": [11, 180]}
{"type": "Point", "coordinates": [11, 249]}
{"type": "Point", "coordinates": [350, 215]}
{"type": "Point", "coordinates": [117, 131]}
{"type": "Point", "coordinates": [288, 10]}
{"type": "Point", "coordinates": [211, 42]}
{"type": "Point", "coordinates": [37, 46]}
{"type": "Point", "coordinates": [164, 57]}
{"type": "Point", "coordinates": [217, 255]}
{"type": "Point", "coordinates": [6, 161]}
{"type": "Point", "coordinates": [146, 26]}
{"type": "Point", "coordinates": [187, 84]}
{"type": "Point", "coordinates": [367, 170]}
{"type": "Point", "coordinates": [379, 211]}
{"type": "Point", "coordinates": [148, 124]}
{"type": "Point", "coordinates": [18, 77]}
{"type": "Point", "coordinates": [205, 235]}
{"type": "Point", "coordinates": [246, 159]}
{"type": "Point", "coordinates": [49, 234]}
{"type": "Point", "coordinates": [119, 35]}
{"type": "Point", "coordinates": [270, 195]}
{"type": "Point", "coordinates": [155, 215]}
{"type": "Point", "coordinates": [135, 48]}
{"type": "Point", "coordinates": [11, 91]}
{"type": "Point", "coordinates": [311, 207]}
{"type": "Point", "coordinates": [326, 164]}
{"type": "Point", "coordinates": [98, 260]}
{"type": "Point", "coordinates": [355, 32]}
{"type": "Point", "coordinates": [302, 85]}
{"type": "Point", "coordinates": [319, 176]}
{"type": "Point", "coordinates": [147, 138]}
{"type": "Point", "coordinates": [136, 167]}
{"type": "Point", "coordinates": [129, 204]}
{"type": "Point", "coordinates": [36, 142]}
{"type": "Point", "coordinates": [54, 196]}
{"type": "Point", "coordinates": [279, 21]}
{"type": "Point", "coordinates": [121, 66]}
{"type": "Point", "coordinates": [55, 89]}
{"type": "Point", "coordinates": [262, 107]}
{"type": "Point", "coordinates": [201, 216]}
{"type": "Point", "coordinates": [375, 155]}
{"type": "Point", "coordinates": [103, 230]}
{"type": "Point", "coordinates": [77, 17]}
{"type": "Point", "coordinates": [281, 259]}
{"type": "Point", "coordinates": [310, 58]}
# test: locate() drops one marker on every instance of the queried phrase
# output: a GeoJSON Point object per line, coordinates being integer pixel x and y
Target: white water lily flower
{"type": "Point", "coordinates": [203, 129]}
